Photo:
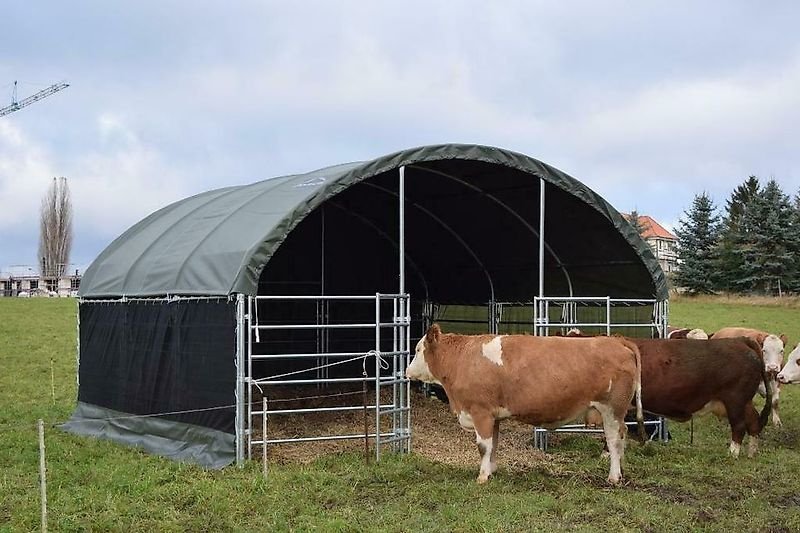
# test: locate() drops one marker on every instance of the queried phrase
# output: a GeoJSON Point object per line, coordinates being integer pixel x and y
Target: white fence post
{"type": "Point", "coordinates": [42, 477]}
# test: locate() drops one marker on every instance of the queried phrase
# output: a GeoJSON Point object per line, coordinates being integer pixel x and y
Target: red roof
{"type": "Point", "coordinates": [652, 229]}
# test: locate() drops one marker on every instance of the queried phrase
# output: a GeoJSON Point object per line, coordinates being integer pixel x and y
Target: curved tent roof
{"type": "Point", "coordinates": [218, 242]}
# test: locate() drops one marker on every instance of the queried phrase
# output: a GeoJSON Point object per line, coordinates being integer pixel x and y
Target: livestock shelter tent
{"type": "Point", "coordinates": [183, 315]}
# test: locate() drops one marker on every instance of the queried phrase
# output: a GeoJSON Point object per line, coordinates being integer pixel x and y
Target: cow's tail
{"type": "Point", "coordinates": [638, 387]}
{"type": "Point", "coordinates": [763, 417]}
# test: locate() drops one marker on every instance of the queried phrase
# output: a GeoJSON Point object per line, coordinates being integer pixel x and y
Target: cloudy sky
{"type": "Point", "coordinates": [647, 103]}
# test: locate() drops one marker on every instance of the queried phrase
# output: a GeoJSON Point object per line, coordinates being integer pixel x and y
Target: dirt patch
{"type": "Point", "coordinates": [436, 433]}
{"type": "Point", "coordinates": [667, 493]}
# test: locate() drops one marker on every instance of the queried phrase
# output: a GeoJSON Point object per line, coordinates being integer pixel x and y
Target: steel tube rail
{"type": "Point", "coordinates": [596, 324]}
{"type": "Point", "coordinates": [321, 409]}
{"type": "Point", "coordinates": [381, 296]}
{"type": "Point", "coordinates": [317, 439]}
{"type": "Point", "coordinates": [325, 326]}
{"type": "Point", "coordinates": [267, 381]}
{"type": "Point", "coordinates": [326, 354]}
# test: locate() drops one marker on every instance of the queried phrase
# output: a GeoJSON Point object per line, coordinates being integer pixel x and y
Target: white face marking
{"type": "Point", "coordinates": [493, 350]}
{"type": "Point", "coordinates": [791, 371]}
{"type": "Point", "coordinates": [734, 449]}
{"type": "Point", "coordinates": [773, 353]}
{"type": "Point", "coordinates": [697, 334]}
{"type": "Point", "coordinates": [418, 369]}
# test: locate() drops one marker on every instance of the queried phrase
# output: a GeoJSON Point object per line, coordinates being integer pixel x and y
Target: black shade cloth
{"type": "Point", "coordinates": [160, 357]}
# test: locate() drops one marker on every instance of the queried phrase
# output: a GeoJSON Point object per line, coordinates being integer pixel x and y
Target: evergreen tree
{"type": "Point", "coordinates": [697, 237]}
{"type": "Point", "coordinates": [636, 222]}
{"type": "Point", "coordinates": [727, 257]}
{"type": "Point", "coordinates": [766, 242]}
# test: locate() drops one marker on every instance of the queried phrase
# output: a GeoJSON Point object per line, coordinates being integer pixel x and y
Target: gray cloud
{"type": "Point", "coordinates": [646, 104]}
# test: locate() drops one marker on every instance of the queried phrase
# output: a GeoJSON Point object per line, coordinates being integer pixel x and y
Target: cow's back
{"type": "Point", "coordinates": [541, 380]}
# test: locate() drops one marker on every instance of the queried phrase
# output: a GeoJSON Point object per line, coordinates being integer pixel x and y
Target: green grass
{"type": "Point", "coordinates": [95, 485]}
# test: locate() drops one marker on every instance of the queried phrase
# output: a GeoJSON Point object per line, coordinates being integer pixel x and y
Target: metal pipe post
{"type": "Point", "coordinates": [541, 237]}
{"type": "Point", "coordinates": [240, 377]}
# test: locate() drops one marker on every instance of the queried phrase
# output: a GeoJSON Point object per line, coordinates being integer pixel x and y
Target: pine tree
{"type": "Point", "coordinates": [766, 243]}
{"type": "Point", "coordinates": [636, 222]}
{"type": "Point", "coordinates": [697, 237]}
{"type": "Point", "coordinates": [728, 260]}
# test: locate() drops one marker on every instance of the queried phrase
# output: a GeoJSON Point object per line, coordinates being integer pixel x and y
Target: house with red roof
{"type": "Point", "coordinates": [662, 241]}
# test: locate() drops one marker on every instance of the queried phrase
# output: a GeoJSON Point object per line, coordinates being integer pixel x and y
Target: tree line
{"type": "Point", "coordinates": [750, 247]}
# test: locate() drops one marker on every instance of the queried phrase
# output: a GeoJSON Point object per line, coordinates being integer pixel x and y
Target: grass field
{"type": "Point", "coordinates": [94, 485]}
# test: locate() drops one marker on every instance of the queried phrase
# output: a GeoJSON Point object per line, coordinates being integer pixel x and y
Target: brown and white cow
{"type": "Point", "coordinates": [686, 376]}
{"type": "Point", "coordinates": [545, 381]}
{"type": "Point", "coordinates": [772, 350]}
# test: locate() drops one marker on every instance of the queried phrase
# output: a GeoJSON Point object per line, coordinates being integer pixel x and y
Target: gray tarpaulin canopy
{"type": "Point", "coordinates": [472, 220]}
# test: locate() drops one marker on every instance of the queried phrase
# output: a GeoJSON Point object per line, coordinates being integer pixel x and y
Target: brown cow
{"type": "Point", "coordinates": [772, 352]}
{"type": "Point", "coordinates": [545, 381]}
{"type": "Point", "coordinates": [682, 377]}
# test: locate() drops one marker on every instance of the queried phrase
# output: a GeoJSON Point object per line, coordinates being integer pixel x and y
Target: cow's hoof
{"type": "Point", "coordinates": [777, 423]}
{"type": "Point", "coordinates": [614, 480]}
{"type": "Point", "coordinates": [482, 479]}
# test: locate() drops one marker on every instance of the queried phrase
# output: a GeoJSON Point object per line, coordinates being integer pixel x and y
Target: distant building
{"type": "Point", "coordinates": [25, 281]}
{"type": "Point", "coordinates": [663, 243]}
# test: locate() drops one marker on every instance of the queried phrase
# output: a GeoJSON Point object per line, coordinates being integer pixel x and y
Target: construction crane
{"type": "Point", "coordinates": [44, 93]}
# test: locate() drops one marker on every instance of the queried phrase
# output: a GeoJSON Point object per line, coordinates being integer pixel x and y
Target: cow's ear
{"type": "Point", "coordinates": [760, 338]}
{"type": "Point", "coordinates": [785, 340]}
{"type": "Point", "coordinates": [434, 332]}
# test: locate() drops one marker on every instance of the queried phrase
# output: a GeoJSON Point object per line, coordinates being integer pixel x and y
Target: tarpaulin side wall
{"type": "Point", "coordinates": [140, 358]}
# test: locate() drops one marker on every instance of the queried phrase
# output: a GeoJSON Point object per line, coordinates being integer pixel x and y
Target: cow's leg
{"type": "Point", "coordinates": [495, 442]}
{"type": "Point", "coordinates": [736, 418]}
{"type": "Point", "coordinates": [484, 430]}
{"type": "Point", "coordinates": [753, 427]}
{"type": "Point", "coordinates": [614, 428]}
{"type": "Point", "coordinates": [776, 393]}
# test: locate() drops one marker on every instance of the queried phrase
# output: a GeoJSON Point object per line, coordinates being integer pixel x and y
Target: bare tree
{"type": "Point", "coordinates": [55, 238]}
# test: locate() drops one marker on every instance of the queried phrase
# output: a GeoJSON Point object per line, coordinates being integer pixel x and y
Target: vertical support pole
{"type": "Point", "coordinates": [608, 315]}
{"type": "Point", "coordinates": [240, 379]}
{"type": "Point", "coordinates": [377, 377]}
{"type": "Point", "coordinates": [541, 237]}
{"type": "Point", "coordinates": [251, 300]}
{"type": "Point", "coordinates": [401, 314]}
{"type": "Point", "coordinates": [264, 435]}
{"type": "Point", "coordinates": [396, 332]}
{"type": "Point", "coordinates": [42, 475]}
{"type": "Point", "coordinates": [402, 238]}
{"type": "Point", "coordinates": [406, 362]}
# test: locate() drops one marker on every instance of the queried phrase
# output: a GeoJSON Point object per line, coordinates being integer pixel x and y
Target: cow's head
{"type": "Point", "coordinates": [419, 369]}
{"type": "Point", "coordinates": [697, 334]}
{"type": "Point", "coordinates": [791, 371]}
{"type": "Point", "coordinates": [772, 346]}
